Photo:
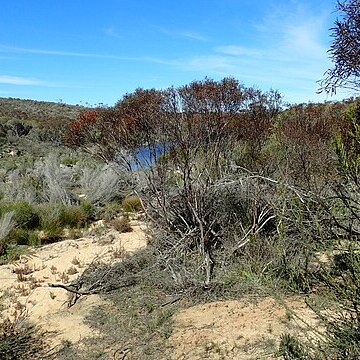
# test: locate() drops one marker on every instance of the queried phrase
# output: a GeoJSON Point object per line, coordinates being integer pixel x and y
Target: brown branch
{"type": "Point", "coordinates": [71, 289]}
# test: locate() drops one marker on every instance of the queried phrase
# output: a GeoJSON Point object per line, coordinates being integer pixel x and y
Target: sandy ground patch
{"type": "Point", "coordinates": [24, 284]}
{"type": "Point", "coordinates": [240, 329]}
{"type": "Point", "coordinates": [235, 329]}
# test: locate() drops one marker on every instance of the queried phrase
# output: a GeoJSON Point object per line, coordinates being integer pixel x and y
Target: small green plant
{"type": "Point", "coordinates": [33, 238]}
{"type": "Point", "coordinates": [50, 220]}
{"type": "Point", "coordinates": [132, 203]}
{"type": "Point", "coordinates": [69, 161]}
{"type": "Point", "coordinates": [72, 216]}
{"type": "Point", "coordinates": [291, 348]}
{"type": "Point", "coordinates": [348, 144]}
{"type": "Point", "coordinates": [13, 253]}
{"type": "Point", "coordinates": [88, 209]}
{"type": "Point", "coordinates": [74, 234]}
{"type": "Point", "coordinates": [110, 210]}
{"type": "Point", "coordinates": [55, 217]}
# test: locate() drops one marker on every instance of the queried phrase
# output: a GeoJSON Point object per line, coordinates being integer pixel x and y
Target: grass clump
{"type": "Point", "coordinates": [24, 214]}
{"type": "Point", "coordinates": [110, 210]}
{"type": "Point", "coordinates": [121, 224]}
{"type": "Point", "coordinates": [132, 203]}
{"type": "Point", "coordinates": [21, 236]}
{"type": "Point", "coordinates": [21, 341]}
{"type": "Point", "coordinates": [55, 217]}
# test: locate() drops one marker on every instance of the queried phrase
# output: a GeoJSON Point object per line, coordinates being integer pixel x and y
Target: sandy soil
{"type": "Point", "coordinates": [241, 329]}
{"type": "Point", "coordinates": [24, 284]}
{"type": "Point", "coordinates": [236, 329]}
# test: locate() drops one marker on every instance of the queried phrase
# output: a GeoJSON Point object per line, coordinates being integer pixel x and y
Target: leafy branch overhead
{"type": "Point", "coordinates": [345, 49]}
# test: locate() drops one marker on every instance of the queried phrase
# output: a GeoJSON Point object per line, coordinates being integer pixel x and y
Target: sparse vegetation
{"type": "Point", "coordinates": [231, 212]}
{"type": "Point", "coordinates": [131, 203]}
{"type": "Point", "coordinates": [19, 340]}
{"type": "Point", "coordinates": [242, 194]}
{"type": "Point", "coordinates": [121, 224]}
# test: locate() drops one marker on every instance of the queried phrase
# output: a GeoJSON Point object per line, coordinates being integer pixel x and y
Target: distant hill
{"type": "Point", "coordinates": [42, 112]}
{"type": "Point", "coordinates": [30, 130]}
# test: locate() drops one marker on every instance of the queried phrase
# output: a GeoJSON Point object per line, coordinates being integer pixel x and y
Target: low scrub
{"type": "Point", "coordinates": [132, 203]}
{"type": "Point", "coordinates": [24, 214]}
{"type": "Point", "coordinates": [55, 217]}
{"type": "Point", "coordinates": [121, 224]}
{"type": "Point", "coordinates": [21, 341]}
{"type": "Point", "coordinates": [24, 237]}
{"type": "Point", "coordinates": [102, 184]}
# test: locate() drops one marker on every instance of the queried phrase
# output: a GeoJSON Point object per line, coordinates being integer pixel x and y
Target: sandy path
{"type": "Point", "coordinates": [24, 284]}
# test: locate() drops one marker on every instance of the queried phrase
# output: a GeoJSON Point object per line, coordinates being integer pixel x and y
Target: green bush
{"type": "Point", "coordinates": [341, 338]}
{"type": "Point", "coordinates": [50, 219]}
{"type": "Point", "coordinates": [88, 209]}
{"type": "Point", "coordinates": [132, 203]}
{"type": "Point", "coordinates": [110, 210]}
{"type": "Point", "coordinates": [33, 238]}
{"type": "Point", "coordinates": [69, 161]}
{"type": "Point", "coordinates": [20, 341]}
{"type": "Point", "coordinates": [25, 215]}
{"type": "Point", "coordinates": [72, 216]}
{"type": "Point", "coordinates": [57, 216]}
{"type": "Point", "coordinates": [20, 236]}
{"type": "Point", "coordinates": [291, 348]}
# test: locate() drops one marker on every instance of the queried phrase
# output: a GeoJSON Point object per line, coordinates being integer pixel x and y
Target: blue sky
{"type": "Point", "coordinates": [95, 51]}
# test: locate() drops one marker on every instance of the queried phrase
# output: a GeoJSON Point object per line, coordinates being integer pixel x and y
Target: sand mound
{"type": "Point", "coordinates": [24, 284]}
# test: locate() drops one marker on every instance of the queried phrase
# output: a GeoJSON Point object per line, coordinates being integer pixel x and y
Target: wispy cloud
{"type": "Point", "coordinates": [193, 35]}
{"type": "Point", "coordinates": [30, 81]}
{"type": "Point", "coordinates": [288, 41]}
{"type": "Point", "coordinates": [217, 64]}
{"type": "Point", "coordinates": [11, 49]}
{"type": "Point", "coordinates": [188, 34]}
{"type": "Point", "coordinates": [238, 50]}
{"type": "Point", "coordinates": [18, 80]}
{"type": "Point", "coordinates": [291, 53]}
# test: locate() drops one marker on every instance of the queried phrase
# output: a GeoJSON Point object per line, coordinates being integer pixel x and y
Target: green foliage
{"type": "Point", "coordinates": [20, 236]}
{"type": "Point", "coordinates": [21, 341]}
{"type": "Point", "coordinates": [344, 50]}
{"type": "Point", "coordinates": [72, 216]}
{"type": "Point", "coordinates": [50, 219]}
{"type": "Point", "coordinates": [88, 209]}
{"type": "Point", "coordinates": [291, 348]}
{"type": "Point", "coordinates": [55, 217]}
{"type": "Point", "coordinates": [131, 203]}
{"type": "Point", "coordinates": [348, 144]}
{"type": "Point", "coordinates": [69, 161]}
{"type": "Point", "coordinates": [341, 338]}
{"type": "Point", "coordinates": [25, 215]}
{"type": "Point", "coordinates": [343, 324]}
{"type": "Point", "coordinates": [39, 111]}
{"type": "Point", "coordinates": [110, 210]}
